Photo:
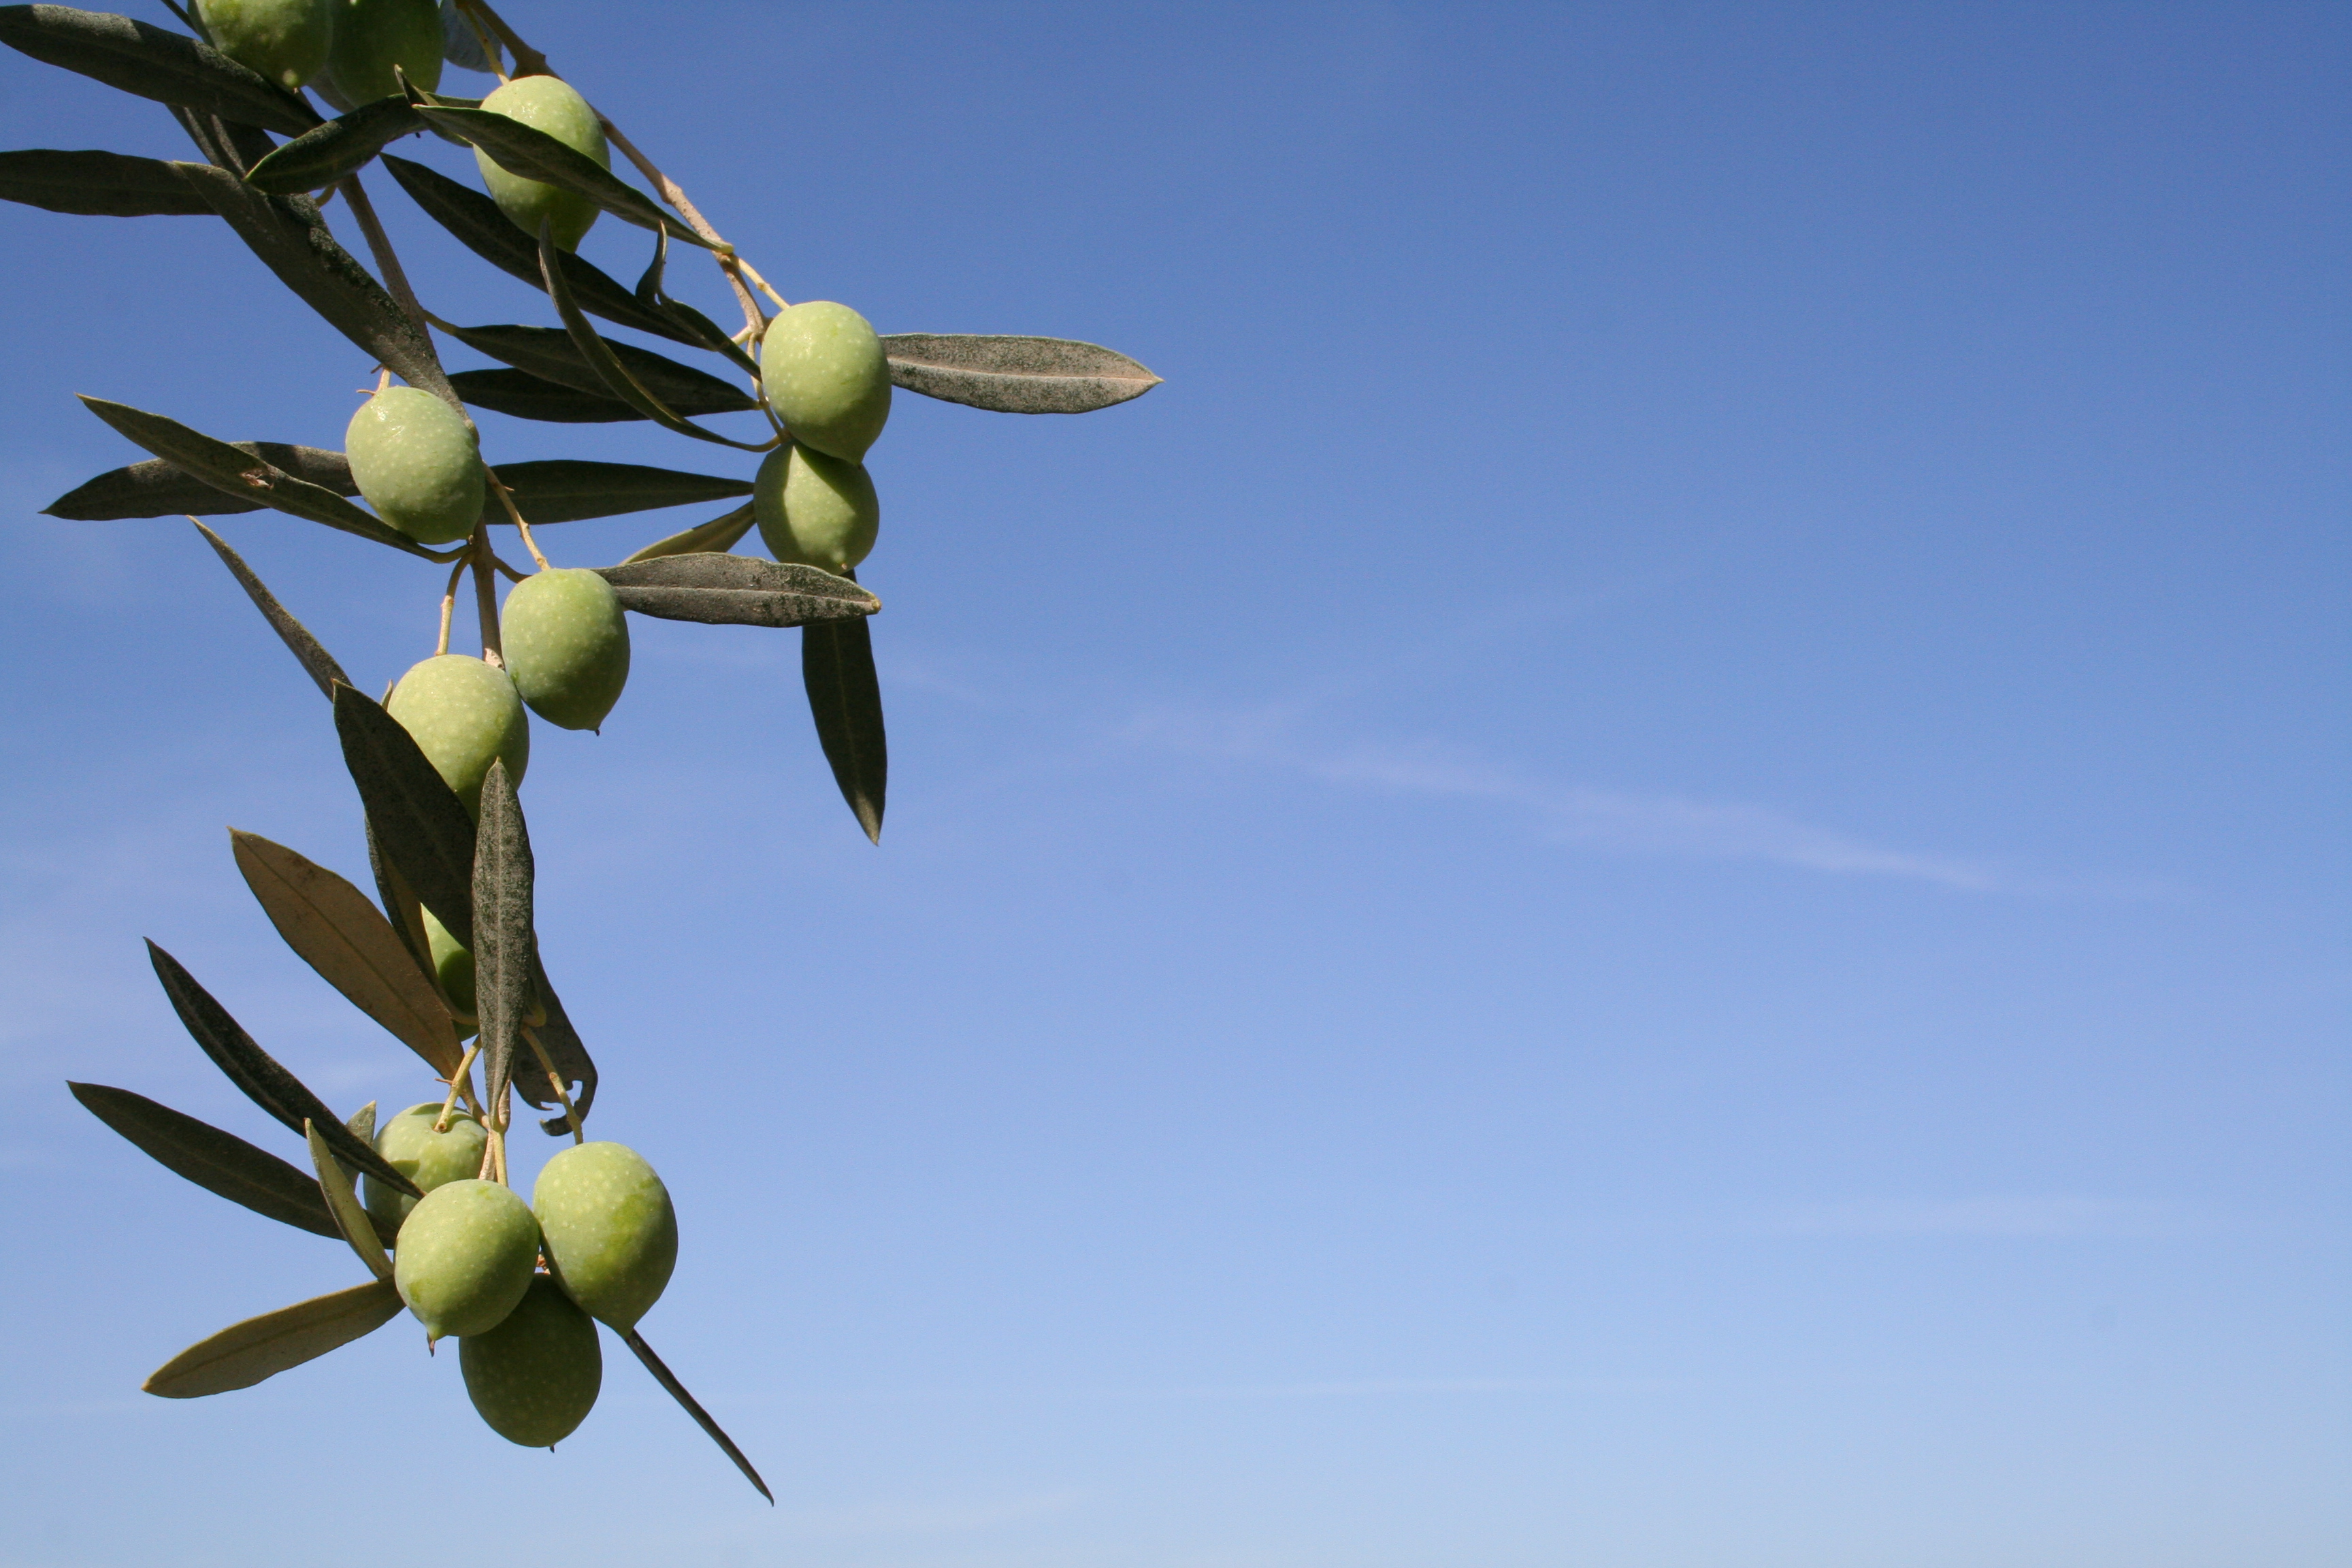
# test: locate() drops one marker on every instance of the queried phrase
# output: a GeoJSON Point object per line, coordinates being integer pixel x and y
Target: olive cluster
{"type": "Point", "coordinates": [467, 1257]}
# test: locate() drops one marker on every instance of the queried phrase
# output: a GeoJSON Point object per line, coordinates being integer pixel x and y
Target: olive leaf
{"type": "Point", "coordinates": [97, 185]}
{"type": "Point", "coordinates": [706, 333]}
{"type": "Point", "coordinates": [719, 589]}
{"type": "Point", "coordinates": [668, 1380]}
{"type": "Point", "coordinates": [316, 659]}
{"type": "Point", "coordinates": [616, 375]}
{"type": "Point", "coordinates": [218, 1162]}
{"type": "Point", "coordinates": [477, 224]}
{"type": "Point", "coordinates": [521, 149]}
{"type": "Point", "coordinates": [258, 1074]}
{"type": "Point", "coordinates": [334, 928]}
{"type": "Point", "coordinates": [416, 823]}
{"type": "Point", "coordinates": [225, 143]}
{"type": "Point", "coordinates": [462, 47]}
{"type": "Point", "coordinates": [845, 700]}
{"type": "Point", "coordinates": [159, 488]}
{"type": "Point", "coordinates": [719, 534]}
{"type": "Point", "coordinates": [400, 905]}
{"type": "Point", "coordinates": [345, 145]}
{"type": "Point", "coordinates": [362, 1123]}
{"type": "Point", "coordinates": [1015, 375]}
{"type": "Point", "coordinates": [247, 476]}
{"type": "Point", "coordinates": [352, 1221]}
{"type": "Point", "coordinates": [244, 1353]}
{"type": "Point", "coordinates": [295, 243]}
{"type": "Point", "coordinates": [503, 943]}
{"type": "Point", "coordinates": [564, 1048]}
{"type": "Point", "coordinates": [553, 354]}
{"type": "Point", "coordinates": [570, 490]}
{"type": "Point", "coordinates": [149, 62]}
{"type": "Point", "coordinates": [522, 396]}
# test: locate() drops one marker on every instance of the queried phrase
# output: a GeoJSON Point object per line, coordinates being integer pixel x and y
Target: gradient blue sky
{"type": "Point", "coordinates": [1651, 875]}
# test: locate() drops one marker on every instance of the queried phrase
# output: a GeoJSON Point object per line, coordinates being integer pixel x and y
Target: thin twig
{"type": "Point", "coordinates": [491, 51]}
{"type": "Point", "coordinates": [449, 603]}
{"type": "Point", "coordinates": [730, 263]}
{"type": "Point", "coordinates": [460, 1079]}
{"type": "Point", "coordinates": [380, 247]}
{"type": "Point", "coordinates": [485, 599]}
{"type": "Point", "coordinates": [514, 515]}
{"type": "Point", "coordinates": [527, 61]}
{"type": "Point", "coordinates": [562, 1093]}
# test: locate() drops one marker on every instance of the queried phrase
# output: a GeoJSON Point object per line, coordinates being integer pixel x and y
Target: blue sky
{"type": "Point", "coordinates": [1651, 874]}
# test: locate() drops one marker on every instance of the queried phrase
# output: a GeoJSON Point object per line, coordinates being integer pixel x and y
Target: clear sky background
{"type": "Point", "coordinates": [1652, 875]}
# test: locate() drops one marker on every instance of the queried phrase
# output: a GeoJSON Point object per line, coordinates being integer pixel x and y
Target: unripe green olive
{"type": "Point", "coordinates": [549, 104]}
{"type": "Point", "coordinates": [374, 36]}
{"type": "Point", "coordinates": [464, 715]}
{"type": "Point", "coordinates": [826, 376]}
{"type": "Point", "coordinates": [612, 1235]}
{"type": "Point", "coordinates": [284, 41]}
{"type": "Point", "coordinates": [534, 1377]}
{"type": "Point", "coordinates": [418, 463]}
{"type": "Point", "coordinates": [465, 1257]}
{"type": "Point", "coordinates": [453, 967]}
{"type": "Point", "coordinates": [566, 643]}
{"type": "Point", "coordinates": [813, 509]}
{"type": "Point", "coordinates": [429, 1159]}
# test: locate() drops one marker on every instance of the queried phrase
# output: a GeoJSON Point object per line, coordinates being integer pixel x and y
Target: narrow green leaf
{"type": "Point", "coordinates": [1015, 375]}
{"type": "Point", "coordinates": [845, 700]}
{"type": "Point", "coordinates": [159, 488]}
{"type": "Point", "coordinates": [149, 62]}
{"type": "Point", "coordinates": [569, 490]}
{"type": "Point", "coordinates": [241, 474]}
{"type": "Point", "coordinates": [225, 143]}
{"type": "Point", "coordinates": [316, 159]}
{"type": "Point", "coordinates": [360, 1123]}
{"type": "Point", "coordinates": [677, 1390]}
{"type": "Point", "coordinates": [218, 1162]}
{"type": "Point", "coordinates": [719, 589]}
{"type": "Point", "coordinates": [97, 185]}
{"type": "Point", "coordinates": [616, 376]}
{"type": "Point", "coordinates": [718, 535]}
{"type": "Point", "coordinates": [315, 659]}
{"type": "Point", "coordinates": [420, 827]}
{"type": "Point", "coordinates": [555, 355]}
{"type": "Point", "coordinates": [351, 1222]}
{"type": "Point", "coordinates": [399, 904]}
{"type": "Point", "coordinates": [258, 1074]}
{"type": "Point", "coordinates": [244, 1353]}
{"type": "Point", "coordinates": [522, 396]}
{"type": "Point", "coordinates": [478, 225]}
{"type": "Point", "coordinates": [519, 149]}
{"type": "Point", "coordinates": [295, 243]}
{"type": "Point", "coordinates": [564, 1048]}
{"type": "Point", "coordinates": [503, 943]}
{"type": "Point", "coordinates": [333, 927]}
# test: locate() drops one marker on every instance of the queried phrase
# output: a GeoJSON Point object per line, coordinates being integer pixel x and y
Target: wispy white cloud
{"type": "Point", "coordinates": [1585, 817]}
{"type": "Point", "coordinates": [2013, 1216]}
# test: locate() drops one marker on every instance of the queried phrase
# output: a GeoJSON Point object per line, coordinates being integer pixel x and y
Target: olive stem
{"type": "Point", "coordinates": [460, 1079]}
{"type": "Point", "coordinates": [485, 599]}
{"type": "Point", "coordinates": [733, 265]}
{"type": "Point", "coordinates": [380, 245]}
{"type": "Point", "coordinates": [527, 61]}
{"type": "Point", "coordinates": [761, 284]}
{"type": "Point", "coordinates": [514, 515]}
{"type": "Point", "coordinates": [450, 600]}
{"type": "Point", "coordinates": [571, 1115]}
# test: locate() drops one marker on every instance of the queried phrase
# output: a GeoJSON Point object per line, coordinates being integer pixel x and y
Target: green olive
{"type": "Point", "coordinates": [429, 1159]}
{"type": "Point", "coordinates": [566, 643]}
{"type": "Point", "coordinates": [417, 462]}
{"type": "Point", "coordinates": [813, 509]}
{"type": "Point", "coordinates": [534, 1377]}
{"type": "Point", "coordinates": [610, 1233]}
{"type": "Point", "coordinates": [464, 715]}
{"type": "Point", "coordinates": [453, 967]}
{"type": "Point", "coordinates": [371, 37]}
{"type": "Point", "coordinates": [465, 1257]}
{"type": "Point", "coordinates": [285, 40]}
{"type": "Point", "coordinates": [825, 374]}
{"type": "Point", "coordinates": [549, 104]}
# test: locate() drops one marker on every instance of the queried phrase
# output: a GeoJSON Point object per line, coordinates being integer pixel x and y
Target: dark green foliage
{"type": "Point", "coordinates": [719, 589]}
{"type": "Point", "coordinates": [345, 145]}
{"type": "Point", "coordinates": [502, 939]}
{"type": "Point", "coordinates": [97, 183]}
{"type": "Point", "coordinates": [150, 62]}
{"type": "Point", "coordinates": [216, 1160]}
{"type": "Point", "coordinates": [523, 396]}
{"type": "Point", "coordinates": [256, 1072]}
{"type": "Point", "coordinates": [845, 700]}
{"type": "Point", "coordinates": [677, 1390]}
{"type": "Point", "coordinates": [415, 821]}
{"type": "Point", "coordinates": [535, 155]}
{"type": "Point", "coordinates": [159, 488]}
{"type": "Point", "coordinates": [557, 356]}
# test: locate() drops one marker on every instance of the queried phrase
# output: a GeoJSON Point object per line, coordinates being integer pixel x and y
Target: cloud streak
{"type": "Point", "coordinates": [1582, 817]}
